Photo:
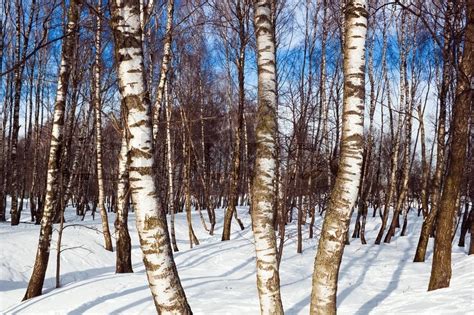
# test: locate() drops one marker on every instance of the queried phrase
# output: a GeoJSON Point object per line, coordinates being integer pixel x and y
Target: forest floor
{"type": "Point", "coordinates": [219, 277]}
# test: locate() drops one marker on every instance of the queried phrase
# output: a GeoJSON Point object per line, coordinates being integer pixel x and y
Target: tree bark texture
{"type": "Point", "coordinates": [346, 187]}
{"type": "Point", "coordinates": [164, 282]}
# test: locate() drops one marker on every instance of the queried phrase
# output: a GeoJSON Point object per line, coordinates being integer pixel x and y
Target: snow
{"type": "Point", "coordinates": [219, 277]}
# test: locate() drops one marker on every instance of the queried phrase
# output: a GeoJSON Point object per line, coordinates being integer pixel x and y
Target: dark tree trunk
{"type": "Point", "coordinates": [441, 268]}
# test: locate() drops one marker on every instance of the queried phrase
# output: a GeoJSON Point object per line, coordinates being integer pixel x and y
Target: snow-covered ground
{"type": "Point", "coordinates": [219, 277]}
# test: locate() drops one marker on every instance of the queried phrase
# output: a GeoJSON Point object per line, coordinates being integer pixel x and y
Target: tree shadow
{"type": "Point", "coordinates": [71, 277]}
{"type": "Point", "coordinates": [11, 285]}
{"type": "Point", "coordinates": [101, 299]}
{"type": "Point", "coordinates": [131, 305]}
{"type": "Point", "coordinates": [220, 277]}
{"type": "Point", "coordinates": [299, 305]}
{"type": "Point", "coordinates": [93, 275]}
{"type": "Point", "coordinates": [348, 290]}
{"type": "Point", "coordinates": [204, 253]}
{"type": "Point", "coordinates": [391, 287]}
{"type": "Point", "coordinates": [48, 293]}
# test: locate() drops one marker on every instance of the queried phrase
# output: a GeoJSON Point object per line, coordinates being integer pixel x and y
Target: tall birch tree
{"type": "Point", "coordinates": [263, 192]}
{"type": "Point", "coordinates": [242, 8]}
{"type": "Point", "coordinates": [165, 65]}
{"type": "Point", "coordinates": [396, 138]}
{"type": "Point", "coordinates": [346, 186]}
{"type": "Point", "coordinates": [35, 284]}
{"type": "Point", "coordinates": [98, 131]}
{"type": "Point", "coordinates": [20, 53]}
{"type": "Point", "coordinates": [124, 247]}
{"type": "Point", "coordinates": [170, 168]}
{"type": "Point", "coordinates": [165, 286]}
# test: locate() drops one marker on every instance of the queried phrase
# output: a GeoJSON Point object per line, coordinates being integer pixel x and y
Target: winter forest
{"type": "Point", "coordinates": [236, 156]}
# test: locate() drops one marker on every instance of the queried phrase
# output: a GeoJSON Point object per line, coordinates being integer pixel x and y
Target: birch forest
{"type": "Point", "coordinates": [236, 157]}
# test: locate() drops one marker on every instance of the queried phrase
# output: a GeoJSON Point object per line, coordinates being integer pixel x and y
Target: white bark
{"type": "Point", "coordinates": [164, 66]}
{"type": "Point", "coordinates": [169, 160]}
{"type": "Point", "coordinates": [98, 133]}
{"type": "Point", "coordinates": [165, 286]}
{"type": "Point", "coordinates": [263, 194]}
{"type": "Point", "coordinates": [35, 284]}
{"type": "Point", "coordinates": [346, 187]}
{"type": "Point", "coordinates": [395, 153]}
{"type": "Point", "coordinates": [324, 103]}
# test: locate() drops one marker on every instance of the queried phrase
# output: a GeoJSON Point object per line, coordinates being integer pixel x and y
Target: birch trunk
{"type": "Point", "coordinates": [263, 190]}
{"type": "Point", "coordinates": [124, 247]}
{"type": "Point", "coordinates": [231, 209]}
{"type": "Point", "coordinates": [365, 186]}
{"type": "Point", "coordinates": [205, 176]}
{"type": "Point", "coordinates": [424, 163]}
{"type": "Point", "coordinates": [247, 183]}
{"type": "Point", "coordinates": [35, 284]}
{"type": "Point", "coordinates": [170, 168]}
{"type": "Point", "coordinates": [395, 151]}
{"type": "Point", "coordinates": [14, 211]}
{"type": "Point", "coordinates": [441, 268]}
{"type": "Point", "coordinates": [34, 181]}
{"type": "Point", "coordinates": [407, 106]}
{"type": "Point", "coordinates": [27, 153]}
{"type": "Point", "coordinates": [164, 66]}
{"type": "Point", "coordinates": [20, 55]}
{"type": "Point", "coordinates": [344, 193]}
{"type": "Point", "coordinates": [165, 286]}
{"type": "Point", "coordinates": [187, 182]}
{"type": "Point", "coordinates": [73, 176]}
{"type": "Point", "coordinates": [98, 132]}
{"type": "Point", "coordinates": [323, 99]}
{"type": "Point", "coordinates": [67, 174]}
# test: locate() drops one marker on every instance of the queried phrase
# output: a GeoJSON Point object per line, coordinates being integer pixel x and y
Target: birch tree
{"type": "Point", "coordinates": [98, 131]}
{"type": "Point", "coordinates": [396, 138]}
{"type": "Point", "coordinates": [344, 193]}
{"type": "Point", "coordinates": [407, 107]}
{"type": "Point", "coordinates": [20, 53]}
{"type": "Point", "coordinates": [123, 256]}
{"type": "Point", "coordinates": [164, 66]}
{"type": "Point", "coordinates": [241, 12]}
{"type": "Point", "coordinates": [35, 284]}
{"type": "Point", "coordinates": [34, 196]}
{"type": "Point", "coordinates": [170, 168]}
{"type": "Point", "coordinates": [165, 286]}
{"type": "Point", "coordinates": [263, 192]}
